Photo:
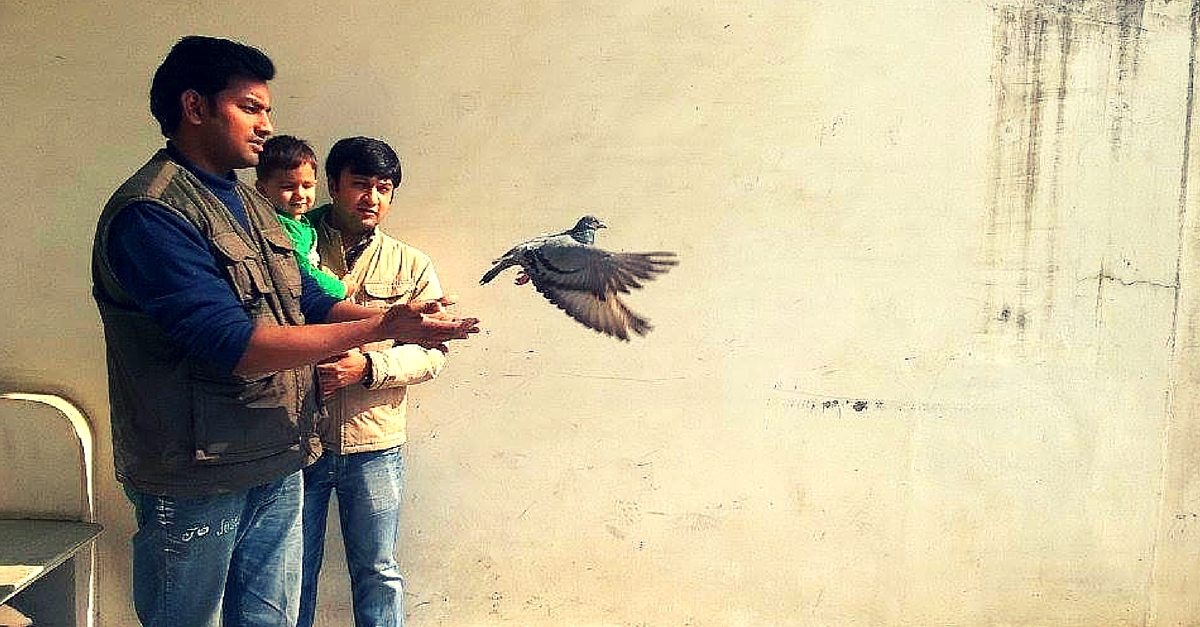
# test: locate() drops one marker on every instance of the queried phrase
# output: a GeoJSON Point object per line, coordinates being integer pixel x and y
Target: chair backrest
{"type": "Point", "coordinates": [46, 472]}
{"type": "Point", "coordinates": [45, 458]}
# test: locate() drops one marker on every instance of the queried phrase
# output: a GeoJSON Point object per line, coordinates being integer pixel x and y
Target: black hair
{"type": "Point", "coordinates": [207, 65]}
{"type": "Point", "coordinates": [284, 152]}
{"type": "Point", "coordinates": [363, 156]}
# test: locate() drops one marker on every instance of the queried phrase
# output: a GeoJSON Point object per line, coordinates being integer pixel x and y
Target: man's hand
{"type": "Point", "coordinates": [341, 370]}
{"type": "Point", "coordinates": [426, 323]}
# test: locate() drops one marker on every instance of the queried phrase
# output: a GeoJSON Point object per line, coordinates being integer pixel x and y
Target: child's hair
{"type": "Point", "coordinates": [282, 153]}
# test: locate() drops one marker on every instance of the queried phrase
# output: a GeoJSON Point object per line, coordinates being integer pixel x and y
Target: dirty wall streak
{"type": "Point", "coordinates": [1176, 558]}
{"type": "Point", "coordinates": [1185, 164]}
{"type": "Point", "coordinates": [1018, 92]}
{"type": "Point", "coordinates": [1129, 14]}
{"type": "Point", "coordinates": [1043, 51]}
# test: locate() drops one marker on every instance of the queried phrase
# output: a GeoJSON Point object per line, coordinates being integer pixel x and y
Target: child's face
{"type": "Point", "coordinates": [294, 191]}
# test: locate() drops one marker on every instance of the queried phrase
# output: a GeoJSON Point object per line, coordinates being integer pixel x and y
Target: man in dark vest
{"type": "Point", "coordinates": [211, 332]}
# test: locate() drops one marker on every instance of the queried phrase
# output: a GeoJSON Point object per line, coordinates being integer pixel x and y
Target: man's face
{"type": "Point", "coordinates": [236, 122]}
{"type": "Point", "coordinates": [360, 203]}
{"type": "Point", "coordinates": [294, 191]}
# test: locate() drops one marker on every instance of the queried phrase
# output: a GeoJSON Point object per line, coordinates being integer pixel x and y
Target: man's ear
{"type": "Point", "coordinates": [331, 185]}
{"type": "Point", "coordinates": [193, 105]}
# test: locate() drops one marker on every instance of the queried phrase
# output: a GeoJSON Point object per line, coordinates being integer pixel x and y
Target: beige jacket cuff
{"type": "Point", "coordinates": [407, 364]}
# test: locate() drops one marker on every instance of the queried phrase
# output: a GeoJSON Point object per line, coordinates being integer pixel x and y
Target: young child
{"type": "Point", "coordinates": [287, 176]}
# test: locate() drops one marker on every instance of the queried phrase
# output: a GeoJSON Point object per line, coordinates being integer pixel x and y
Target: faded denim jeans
{"type": "Point", "coordinates": [226, 559]}
{"type": "Point", "coordinates": [369, 488]}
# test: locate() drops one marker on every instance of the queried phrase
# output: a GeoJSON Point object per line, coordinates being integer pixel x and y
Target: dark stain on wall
{"type": "Point", "coordinates": [1194, 30]}
{"type": "Point", "coordinates": [1129, 15]}
{"type": "Point", "coordinates": [1037, 115]}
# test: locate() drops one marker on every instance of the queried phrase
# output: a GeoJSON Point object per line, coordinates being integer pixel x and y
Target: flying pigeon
{"type": "Point", "coordinates": [585, 281]}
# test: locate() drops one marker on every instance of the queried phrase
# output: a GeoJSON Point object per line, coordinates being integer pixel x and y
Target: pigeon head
{"type": "Point", "coordinates": [585, 230]}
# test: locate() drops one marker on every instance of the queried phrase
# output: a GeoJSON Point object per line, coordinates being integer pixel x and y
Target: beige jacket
{"type": "Point", "coordinates": [362, 419]}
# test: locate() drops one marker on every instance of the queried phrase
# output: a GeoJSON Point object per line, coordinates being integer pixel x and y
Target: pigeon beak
{"type": "Point", "coordinates": [601, 225]}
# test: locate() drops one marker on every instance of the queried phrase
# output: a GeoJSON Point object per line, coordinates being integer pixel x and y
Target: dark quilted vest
{"type": "Point", "coordinates": [180, 425]}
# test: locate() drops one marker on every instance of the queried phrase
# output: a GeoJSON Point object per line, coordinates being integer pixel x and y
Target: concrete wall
{"type": "Point", "coordinates": [929, 356]}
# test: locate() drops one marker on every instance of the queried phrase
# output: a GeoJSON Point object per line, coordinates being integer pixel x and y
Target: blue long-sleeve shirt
{"type": "Point", "coordinates": [168, 269]}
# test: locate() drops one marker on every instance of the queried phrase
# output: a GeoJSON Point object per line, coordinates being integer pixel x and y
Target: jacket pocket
{"type": "Point", "coordinates": [387, 292]}
{"type": "Point", "coordinates": [237, 421]}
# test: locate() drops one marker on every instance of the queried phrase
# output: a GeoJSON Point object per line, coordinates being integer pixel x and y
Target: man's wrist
{"type": "Point", "coordinates": [368, 378]}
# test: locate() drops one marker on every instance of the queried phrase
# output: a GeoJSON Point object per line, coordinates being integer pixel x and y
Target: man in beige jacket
{"type": "Point", "coordinates": [366, 389]}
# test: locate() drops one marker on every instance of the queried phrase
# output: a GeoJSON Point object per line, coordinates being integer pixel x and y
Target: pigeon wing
{"type": "Point", "coordinates": [607, 315]}
{"type": "Point", "coordinates": [582, 267]}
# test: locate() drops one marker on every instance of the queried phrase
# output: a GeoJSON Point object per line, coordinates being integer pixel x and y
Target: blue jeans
{"type": "Point", "coordinates": [369, 488]}
{"type": "Point", "coordinates": [230, 559]}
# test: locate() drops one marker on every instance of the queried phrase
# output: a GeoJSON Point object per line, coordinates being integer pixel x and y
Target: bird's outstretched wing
{"type": "Point", "coordinates": [598, 271]}
{"type": "Point", "coordinates": [606, 315]}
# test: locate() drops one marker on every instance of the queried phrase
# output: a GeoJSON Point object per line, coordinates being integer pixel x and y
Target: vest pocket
{"type": "Point", "coordinates": [245, 272]}
{"type": "Point", "coordinates": [281, 245]}
{"type": "Point", "coordinates": [242, 421]}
